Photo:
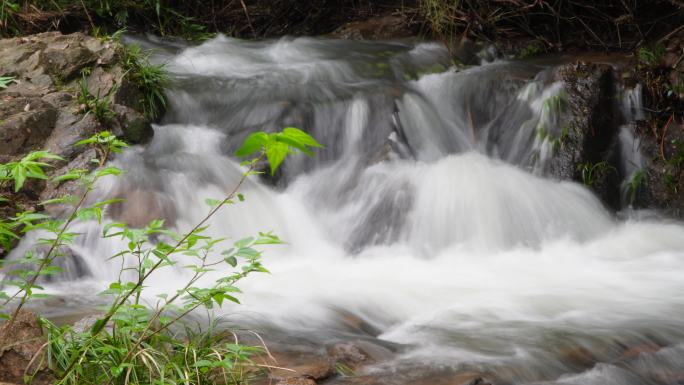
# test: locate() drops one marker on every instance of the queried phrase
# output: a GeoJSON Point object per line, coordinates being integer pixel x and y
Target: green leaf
{"type": "Point", "coordinates": [5, 81]}
{"type": "Point", "coordinates": [97, 327]}
{"type": "Point", "coordinates": [212, 202]}
{"type": "Point", "coordinates": [275, 154]}
{"type": "Point", "coordinates": [244, 242]}
{"type": "Point", "coordinates": [300, 137]}
{"type": "Point", "coordinates": [108, 171]}
{"type": "Point", "coordinates": [71, 175]}
{"type": "Point", "coordinates": [253, 143]}
{"type": "Point", "coordinates": [19, 178]}
{"type": "Point", "coordinates": [231, 261]}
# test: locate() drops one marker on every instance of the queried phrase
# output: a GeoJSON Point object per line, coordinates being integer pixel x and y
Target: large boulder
{"type": "Point", "coordinates": [590, 120]}
{"type": "Point", "coordinates": [41, 109]}
{"type": "Point", "coordinates": [21, 350]}
{"type": "Point", "coordinates": [25, 123]}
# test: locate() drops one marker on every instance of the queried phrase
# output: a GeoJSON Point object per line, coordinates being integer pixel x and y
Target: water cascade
{"type": "Point", "coordinates": [427, 215]}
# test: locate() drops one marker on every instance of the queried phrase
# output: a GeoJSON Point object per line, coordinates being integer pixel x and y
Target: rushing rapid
{"type": "Point", "coordinates": [427, 216]}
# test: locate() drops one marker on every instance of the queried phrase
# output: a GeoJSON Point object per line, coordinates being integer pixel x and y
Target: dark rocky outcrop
{"type": "Point", "coordinates": [40, 110]}
{"type": "Point", "coordinates": [590, 121]}
{"type": "Point", "coordinates": [661, 184]}
{"type": "Point", "coordinates": [377, 28]}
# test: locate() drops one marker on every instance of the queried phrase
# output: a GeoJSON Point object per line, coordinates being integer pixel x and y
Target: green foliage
{"type": "Point", "coordinates": [439, 14]}
{"type": "Point", "coordinates": [105, 141]}
{"type": "Point", "coordinates": [635, 182]}
{"type": "Point", "coordinates": [557, 142]}
{"type": "Point", "coordinates": [8, 9]}
{"type": "Point", "coordinates": [162, 17]}
{"type": "Point", "coordinates": [150, 80]}
{"type": "Point", "coordinates": [530, 50]}
{"type": "Point", "coordinates": [30, 166]}
{"type": "Point", "coordinates": [5, 81]}
{"type": "Point", "coordinates": [554, 104]}
{"type": "Point", "coordinates": [651, 57]}
{"type": "Point", "coordinates": [276, 146]}
{"type": "Point", "coordinates": [671, 181]}
{"type": "Point", "coordinates": [674, 167]}
{"type": "Point", "coordinates": [134, 342]}
{"type": "Point", "coordinates": [589, 171]}
{"type": "Point", "coordinates": [95, 104]}
{"type": "Point", "coordinates": [344, 370]}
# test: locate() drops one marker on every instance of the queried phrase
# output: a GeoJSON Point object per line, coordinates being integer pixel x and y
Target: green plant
{"type": "Point", "coordinates": [17, 172]}
{"type": "Point", "coordinates": [671, 182]}
{"type": "Point", "coordinates": [276, 146]}
{"type": "Point", "coordinates": [651, 57]}
{"type": "Point", "coordinates": [150, 79]}
{"type": "Point", "coordinates": [344, 370]}
{"type": "Point", "coordinates": [135, 343]}
{"type": "Point", "coordinates": [530, 50]}
{"type": "Point", "coordinates": [554, 104]}
{"type": "Point", "coordinates": [557, 142]}
{"type": "Point", "coordinates": [27, 167]}
{"type": "Point", "coordinates": [95, 104]}
{"type": "Point", "coordinates": [635, 181]}
{"type": "Point", "coordinates": [8, 9]}
{"type": "Point", "coordinates": [5, 81]}
{"type": "Point", "coordinates": [589, 171]}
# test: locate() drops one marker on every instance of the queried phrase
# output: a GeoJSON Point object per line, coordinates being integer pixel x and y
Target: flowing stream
{"type": "Point", "coordinates": [426, 218]}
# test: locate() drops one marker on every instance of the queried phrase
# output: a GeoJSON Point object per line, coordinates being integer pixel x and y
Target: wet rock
{"type": "Point", "coordinates": [63, 63]}
{"type": "Point", "coordinates": [418, 378]}
{"type": "Point", "coordinates": [295, 365]}
{"type": "Point", "coordinates": [140, 207]}
{"type": "Point", "coordinates": [21, 345]}
{"type": "Point", "coordinates": [59, 99]}
{"type": "Point", "coordinates": [105, 81]}
{"type": "Point", "coordinates": [637, 350]}
{"type": "Point", "coordinates": [297, 381]}
{"type": "Point", "coordinates": [355, 355]}
{"type": "Point", "coordinates": [661, 185]}
{"type": "Point", "coordinates": [357, 324]}
{"type": "Point", "coordinates": [131, 125]}
{"type": "Point", "coordinates": [590, 122]}
{"type": "Point", "coordinates": [577, 356]}
{"type": "Point", "coordinates": [377, 28]}
{"type": "Point", "coordinates": [70, 128]}
{"type": "Point", "coordinates": [25, 122]}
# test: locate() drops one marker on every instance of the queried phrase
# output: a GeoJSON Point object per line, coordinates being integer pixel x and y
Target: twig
{"type": "Point", "coordinates": [85, 9]}
{"type": "Point", "coordinates": [669, 35]}
{"type": "Point", "coordinates": [249, 20]}
{"type": "Point", "coordinates": [662, 139]}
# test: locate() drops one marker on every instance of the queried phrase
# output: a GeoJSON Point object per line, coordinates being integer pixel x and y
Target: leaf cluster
{"type": "Point", "coordinates": [276, 146]}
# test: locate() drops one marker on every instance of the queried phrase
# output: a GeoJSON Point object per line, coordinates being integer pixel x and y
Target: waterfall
{"type": "Point", "coordinates": [426, 214]}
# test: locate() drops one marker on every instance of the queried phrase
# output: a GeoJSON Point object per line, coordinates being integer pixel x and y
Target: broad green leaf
{"type": "Point", "coordinates": [275, 154]}
{"type": "Point", "coordinates": [212, 202]}
{"type": "Point", "coordinates": [253, 143]}
{"type": "Point", "coordinates": [231, 261]}
{"type": "Point", "coordinates": [301, 137]}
